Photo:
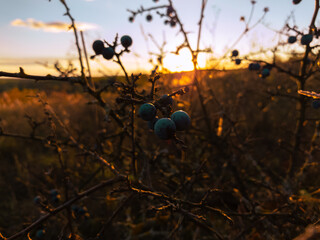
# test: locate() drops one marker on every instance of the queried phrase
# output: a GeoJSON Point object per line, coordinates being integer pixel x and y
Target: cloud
{"type": "Point", "coordinates": [50, 26]}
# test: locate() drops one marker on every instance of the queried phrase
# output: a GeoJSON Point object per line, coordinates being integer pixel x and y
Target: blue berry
{"type": "Point", "coordinates": [238, 61]}
{"type": "Point", "coordinates": [40, 233]}
{"type": "Point", "coordinates": [166, 99]}
{"type": "Point", "coordinates": [37, 199]}
{"type": "Point", "coordinates": [81, 211]}
{"type": "Point", "coordinates": [165, 128]}
{"type": "Point", "coordinates": [316, 103]}
{"type": "Point", "coordinates": [181, 119]}
{"type": "Point", "coordinates": [254, 66]}
{"type": "Point", "coordinates": [108, 53]}
{"type": "Point", "coordinates": [126, 41]}
{"type": "Point", "coordinates": [53, 192]}
{"type": "Point", "coordinates": [149, 17]}
{"type": "Point", "coordinates": [75, 208]}
{"type": "Point", "coordinates": [306, 39]}
{"type": "Point", "coordinates": [172, 23]}
{"type": "Point", "coordinates": [152, 123]}
{"type": "Point", "coordinates": [170, 11]}
{"type": "Point", "coordinates": [292, 39]}
{"type": "Point", "coordinates": [98, 46]}
{"type": "Point", "coordinates": [296, 1]}
{"type": "Point", "coordinates": [55, 199]}
{"type": "Point", "coordinates": [147, 111]}
{"type": "Point", "coordinates": [265, 72]}
{"type": "Point", "coordinates": [235, 53]}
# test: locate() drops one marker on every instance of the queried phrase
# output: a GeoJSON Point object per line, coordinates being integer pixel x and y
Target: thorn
{"type": "Point", "coordinates": [22, 72]}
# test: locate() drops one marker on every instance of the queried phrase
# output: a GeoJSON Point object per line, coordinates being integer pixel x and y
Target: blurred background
{"type": "Point", "coordinates": [35, 33]}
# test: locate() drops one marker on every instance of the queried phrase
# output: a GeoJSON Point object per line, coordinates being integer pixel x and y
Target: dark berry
{"type": "Point", "coordinates": [265, 72]}
{"type": "Point", "coordinates": [147, 111]}
{"type": "Point", "coordinates": [292, 39]}
{"type": "Point", "coordinates": [131, 19]}
{"type": "Point", "coordinates": [238, 61]}
{"type": "Point", "coordinates": [55, 199]}
{"type": "Point", "coordinates": [173, 23]}
{"type": "Point", "coordinates": [149, 18]}
{"type": "Point", "coordinates": [126, 41]}
{"type": "Point", "coordinates": [53, 192]}
{"type": "Point", "coordinates": [235, 53]}
{"type": "Point", "coordinates": [37, 199]}
{"type": "Point", "coordinates": [108, 53]}
{"type": "Point", "coordinates": [40, 234]}
{"type": "Point", "coordinates": [81, 211]}
{"type": "Point", "coordinates": [296, 1]}
{"type": "Point", "coordinates": [306, 39]}
{"type": "Point", "coordinates": [166, 99]}
{"type": "Point", "coordinates": [170, 11]}
{"type": "Point", "coordinates": [181, 119]}
{"type": "Point", "coordinates": [165, 128]}
{"type": "Point", "coordinates": [250, 66]}
{"type": "Point", "coordinates": [254, 66]}
{"type": "Point", "coordinates": [98, 47]}
{"type": "Point", "coordinates": [75, 208]}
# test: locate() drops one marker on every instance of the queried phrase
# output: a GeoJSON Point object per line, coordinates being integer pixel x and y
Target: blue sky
{"type": "Point", "coordinates": [24, 46]}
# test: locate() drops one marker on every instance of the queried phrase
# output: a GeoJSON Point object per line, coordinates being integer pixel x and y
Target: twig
{"type": "Point", "coordinates": [73, 26]}
{"type": "Point", "coordinates": [114, 214]}
{"type": "Point", "coordinates": [87, 60]}
{"type": "Point", "coordinates": [48, 77]}
{"type": "Point", "coordinates": [65, 205]}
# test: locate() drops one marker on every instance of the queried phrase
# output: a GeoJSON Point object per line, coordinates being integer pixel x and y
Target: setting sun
{"type": "Point", "coordinates": [182, 62]}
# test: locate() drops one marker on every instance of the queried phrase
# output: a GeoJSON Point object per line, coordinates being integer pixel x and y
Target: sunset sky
{"type": "Point", "coordinates": [35, 32]}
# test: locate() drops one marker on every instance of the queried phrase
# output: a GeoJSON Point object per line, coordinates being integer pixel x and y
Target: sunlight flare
{"type": "Point", "coordinates": [183, 61]}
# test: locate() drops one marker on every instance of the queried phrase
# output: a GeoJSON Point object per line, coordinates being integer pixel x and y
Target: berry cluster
{"type": "Point", "coordinates": [109, 52]}
{"type": "Point", "coordinates": [305, 39]}
{"type": "Point", "coordinates": [54, 198]}
{"type": "Point", "coordinates": [166, 127]}
{"type": "Point", "coordinates": [263, 73]}
{"type": "Point", "coordinates": [234, 55]}
{"type": "Point", "coordinates": [79, 212]}
{"type": "Point", "coordinates": [265, 70]}
{"type": "Point", "coordinates": [169, 15]}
